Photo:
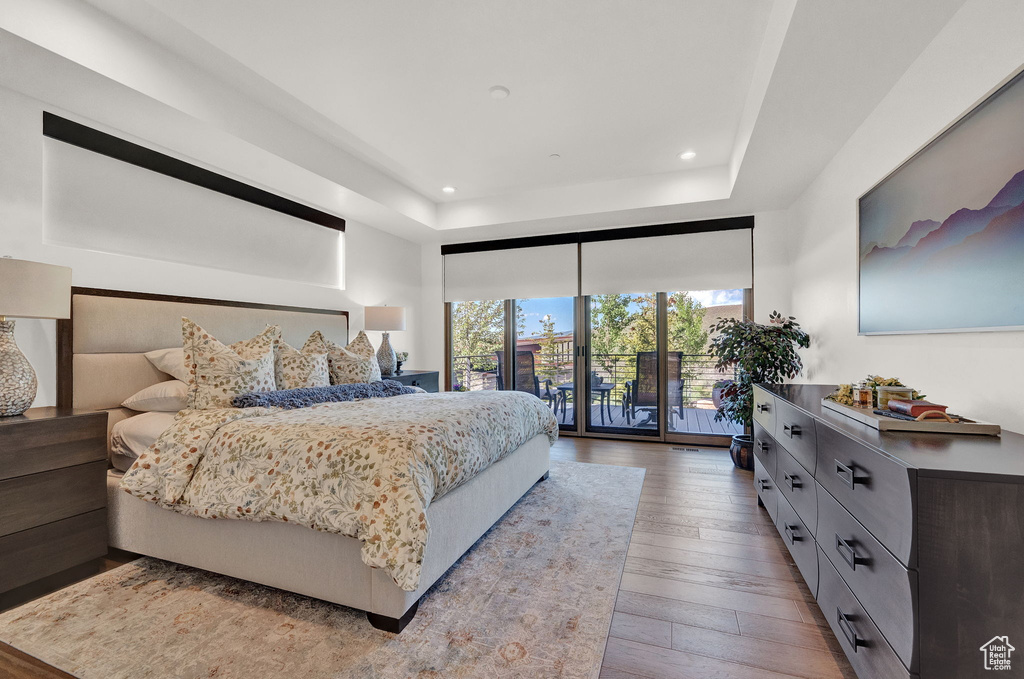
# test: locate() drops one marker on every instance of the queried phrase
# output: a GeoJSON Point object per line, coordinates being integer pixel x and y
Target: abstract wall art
{"type": "Point", "coordinates": [942, 237]}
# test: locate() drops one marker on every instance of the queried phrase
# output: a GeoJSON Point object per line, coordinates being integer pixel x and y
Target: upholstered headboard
{"type": "Point", "coordinates": [100, 359]}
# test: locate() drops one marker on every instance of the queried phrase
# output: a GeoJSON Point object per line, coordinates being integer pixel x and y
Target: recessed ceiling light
{"type": "Point", "coordinates": [448, 189]}
{"type": "Point", "coordinates": [555, 155]}
{"type": "Point", "coordinates": [498, 92]}
{"type": "Point", "coordinates": [688, 155]}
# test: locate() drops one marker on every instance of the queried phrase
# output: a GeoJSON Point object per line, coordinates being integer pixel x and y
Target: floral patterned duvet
{"type": "Point", "coordinates": [366, 469]}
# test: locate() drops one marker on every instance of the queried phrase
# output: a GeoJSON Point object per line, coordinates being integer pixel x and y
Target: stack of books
{"type": "Point", "coordinates": [906, 409]}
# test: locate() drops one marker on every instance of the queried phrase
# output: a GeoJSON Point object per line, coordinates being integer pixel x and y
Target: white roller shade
{"type": "Point", "coordinates": [715, 260]}
{"type": "Point", "coordinates": [522, 273]}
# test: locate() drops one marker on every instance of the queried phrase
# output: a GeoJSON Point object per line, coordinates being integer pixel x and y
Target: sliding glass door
{"type": "Point", "coordinates": [546, 354]}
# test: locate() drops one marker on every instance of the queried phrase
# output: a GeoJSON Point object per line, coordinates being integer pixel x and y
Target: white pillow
{"type": "Point", "coordinates": [165, 397]}
{"type": "Point", "coordinates": [133, 436]}
{"type": "Point", "coordinates": [170, 361]}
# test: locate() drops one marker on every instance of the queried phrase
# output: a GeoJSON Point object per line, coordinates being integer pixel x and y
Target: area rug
{"type": "Point", "coordinates": [533, 598]}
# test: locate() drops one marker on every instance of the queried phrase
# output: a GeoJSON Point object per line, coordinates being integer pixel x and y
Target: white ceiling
{"type": "Point", "coordinates": [765, 91]}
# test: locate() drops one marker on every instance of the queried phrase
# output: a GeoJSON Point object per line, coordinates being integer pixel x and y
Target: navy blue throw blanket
{"type": "Point", "coordinates": [303, 398]}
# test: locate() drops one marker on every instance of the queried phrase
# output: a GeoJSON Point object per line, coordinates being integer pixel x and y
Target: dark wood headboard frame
{"type": "Point", "coordinates": [65, 328]}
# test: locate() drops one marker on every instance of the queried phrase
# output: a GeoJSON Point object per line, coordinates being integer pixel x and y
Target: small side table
{"type": "Point", "coordinates": [603, 392]}
{"type": "Point", "coordinates": [426, 380]}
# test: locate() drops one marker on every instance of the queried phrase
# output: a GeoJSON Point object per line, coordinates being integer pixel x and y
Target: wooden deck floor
{"type": "Point", "coordinates": [709, 589]}
{"type": "Point", "coordinates": [694, 420]}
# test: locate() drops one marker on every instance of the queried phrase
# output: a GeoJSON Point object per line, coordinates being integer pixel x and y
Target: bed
{"type": "Point", "coordinates": [101, 363]}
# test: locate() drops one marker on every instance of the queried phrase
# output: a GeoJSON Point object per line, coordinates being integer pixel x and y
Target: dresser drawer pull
{"type": "Point", "coordinates": [792, 480]}
{"type": "Point", "coordinates": [848, 631]}
{"type": "Point", "coordinates": [414, 383]}
{"type": "Point", "coordinates": [845, 474]}
{"type": "Point", "coordinates": [791, 430]}
{"type": "Point", "coordinates": [763, 408]}
{"type": "Point", "coordinates": [790, 531]}
{"type": "Point", "coordinates": [763, 485]}
{"type": "Point", "coordinates": [763, 447]}
{"type": "Point", "coordinates": [849, 554]}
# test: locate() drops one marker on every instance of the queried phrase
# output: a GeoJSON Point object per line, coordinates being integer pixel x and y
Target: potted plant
{"type": "Point", "coordinates": [757, 353]}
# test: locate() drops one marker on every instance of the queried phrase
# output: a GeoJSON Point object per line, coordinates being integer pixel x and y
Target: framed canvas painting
{"type": "Point", "coordinates": [942, 237]}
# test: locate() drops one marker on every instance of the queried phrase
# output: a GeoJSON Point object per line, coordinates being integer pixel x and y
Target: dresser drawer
{"type": "Point", "coordinates": [38, 552]}
{"type": "Point", "coordinates": [795, 431]}
{"type": "Point", "coordinates": [764, 409]}
{"type": "Point", "coordinates": [766, 489]}
{"type": "Point", "coordinates": [37, 499]}
{"type": "Point", "coordinates": [879, 581]}
{"type": "Point", "coordinates": [797, 485]}
{"type": "Point", "coordinates": [427, 381]}
{"type": "Point", "coordinates": [799, 541]}
{"type": "Point", "coordinates": [764, 448]}
{"type": "Point", "coordinates": [876, 489]}
{"type": "Point", "coordinates": [868, 651]}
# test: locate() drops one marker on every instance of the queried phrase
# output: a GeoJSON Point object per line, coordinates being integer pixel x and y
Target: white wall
{"type": "Point", "coordinates": [977, 374]}
{"type": "Point", "coordinates": [379, 267]}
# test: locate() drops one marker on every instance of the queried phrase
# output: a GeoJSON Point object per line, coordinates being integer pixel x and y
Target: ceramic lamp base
{"type": "Point", "coordinates": [386, 358]}
{"type": "Point", "coordinates": [17, 378]}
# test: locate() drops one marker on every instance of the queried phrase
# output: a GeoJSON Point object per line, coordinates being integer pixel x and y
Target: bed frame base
{"type": "Point", "coordinates": [393, 625]}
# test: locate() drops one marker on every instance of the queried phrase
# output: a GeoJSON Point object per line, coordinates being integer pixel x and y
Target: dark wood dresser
{"type": "Point", "coordinates": [426, 380]}
{"type": "Point", "coordinates": [913, 544]}
{"type": "Point", "coordinates": [53, 497]}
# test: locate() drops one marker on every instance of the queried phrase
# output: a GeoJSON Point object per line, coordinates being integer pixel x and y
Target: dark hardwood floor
{"type": "Point", "coordinates": [708, 590]}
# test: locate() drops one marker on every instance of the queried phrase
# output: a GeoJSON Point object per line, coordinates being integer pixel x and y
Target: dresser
{"type": "Point", "coordinates": [912, 543]}
{"type": "Point", "coordinates": [53, 498]}
{"type": "Point", "coordinates": [426, 380]}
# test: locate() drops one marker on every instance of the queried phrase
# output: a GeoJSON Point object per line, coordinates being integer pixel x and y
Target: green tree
{"type": "Point", "coordinates": [478, 330]}
{"type": "Point", "coordinates": [610, 316]}
{"type": "Point", "coordinates": [686, 324]}
{"type": "Point", "coordinates": [548, 365]}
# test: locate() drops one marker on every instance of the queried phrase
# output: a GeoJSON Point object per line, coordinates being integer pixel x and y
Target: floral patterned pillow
{"type": "Point", "coordinates": [354, 363]}
{"type": "Point", "coordinates": [218, 372]}
{"type": "Point", "coordinates": [306, 368]}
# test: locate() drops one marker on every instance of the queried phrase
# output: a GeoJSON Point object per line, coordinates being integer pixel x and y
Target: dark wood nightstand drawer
{"type": "Point", "coordinates": [39, 552]}
{"type": "Point", "coordinates": [887, 590]}
{"type": "Point", "coordinates": [797, 485]}
{"type": "Point", "coordinates": [876, 489]}
{"type": "Point", "coordinates": [800, 542]}
{"type": "Point", "coordinates": [868, 651]}
{"type": "Point", "coordinates": [795, 431]}
{"type": "Point", "coordinates": [37, 499]}
{"type": "Point", "coordinates": [39, 441]}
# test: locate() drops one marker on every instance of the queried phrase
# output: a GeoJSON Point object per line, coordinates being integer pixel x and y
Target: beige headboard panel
{"type": "Point", "coordinates": [100, 361]}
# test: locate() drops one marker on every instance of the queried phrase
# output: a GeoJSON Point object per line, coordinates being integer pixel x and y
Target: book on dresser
{"type": "Point", "coordinates": [53, 497]}
{"type": "Point", "coordinates": [911, 542]}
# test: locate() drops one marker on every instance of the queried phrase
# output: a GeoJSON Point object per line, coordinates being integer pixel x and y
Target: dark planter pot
{"type": "Point", "coordinates": [742, 451]}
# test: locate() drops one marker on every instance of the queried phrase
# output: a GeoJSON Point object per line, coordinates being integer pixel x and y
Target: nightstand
{"type": "Point", "coordinates": [53, 494]}
{"type": "Point", "coordinates": [424, 379]}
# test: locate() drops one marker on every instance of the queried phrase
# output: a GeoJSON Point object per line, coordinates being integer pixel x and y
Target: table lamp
{"type": "Point", "coordinates": [385, 318]}
{"type": "Point", "coordinates": [27, 290]}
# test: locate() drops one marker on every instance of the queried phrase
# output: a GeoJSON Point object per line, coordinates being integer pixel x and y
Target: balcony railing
{"type": "Point", "coordinates": [698, 372]}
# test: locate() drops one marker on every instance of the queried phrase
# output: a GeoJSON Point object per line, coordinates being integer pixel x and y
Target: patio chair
{"type": "Point", "coordinates": [642, 392]}
{"type": "Point", "coordinates": [526, 377]}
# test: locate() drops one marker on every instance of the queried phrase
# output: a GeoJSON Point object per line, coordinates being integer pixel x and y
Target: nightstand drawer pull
{"type": "Point", "coordinates": [763, 485]}
{"type": "Point", "coordinates": [764, 447]}
{"type": "Point", "coordinates": [848, 631]}
{"type": "Point", "coordinates": [763, 408]}
{"type": "Point", "coordinates": [792, 480]}
{"type": "Point", "coordinates": [791, 430]}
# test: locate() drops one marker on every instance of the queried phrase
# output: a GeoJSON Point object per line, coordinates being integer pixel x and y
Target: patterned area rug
{"type": "Point", "coordinates": [533, 598]}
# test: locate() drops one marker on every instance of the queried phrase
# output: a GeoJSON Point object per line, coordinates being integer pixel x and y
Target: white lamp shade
{"type": "Point", "coordinates": [34, 290]}
{"type": "Point", "coordinates": [384, 318]}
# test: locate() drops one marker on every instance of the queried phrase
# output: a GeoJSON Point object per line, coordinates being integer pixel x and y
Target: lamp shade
{"type": "Point", "coordinates": [384, 318]}
{"type": "Point", "coordinates": [34, 290]}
